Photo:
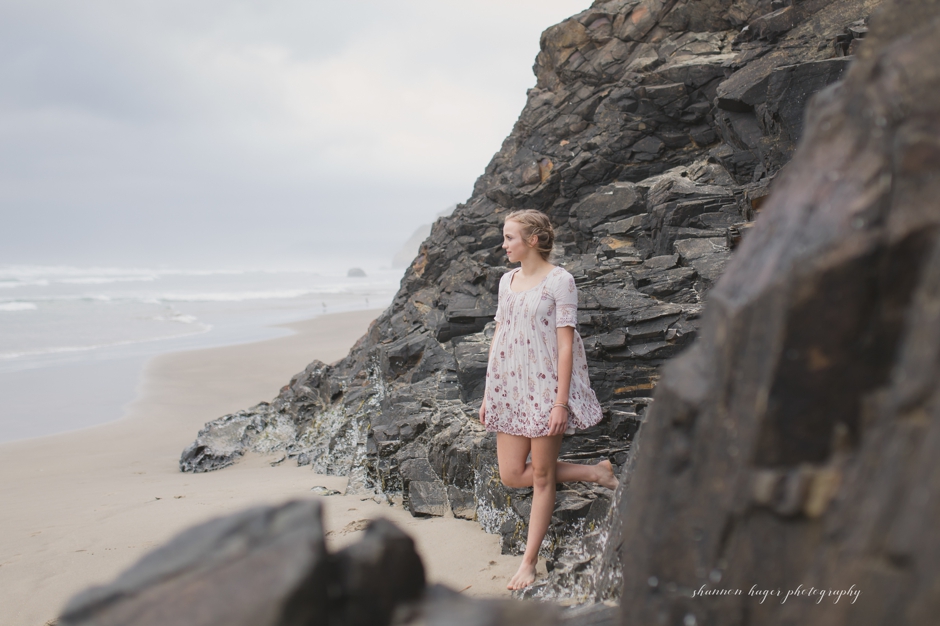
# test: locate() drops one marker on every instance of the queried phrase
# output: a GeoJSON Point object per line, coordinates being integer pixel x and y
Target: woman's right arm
{"type": "Point", "coordinates": [489, 355]}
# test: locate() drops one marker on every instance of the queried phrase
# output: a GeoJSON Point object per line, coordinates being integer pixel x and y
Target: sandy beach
{"type": "Point", "coordinates": [80, 507]}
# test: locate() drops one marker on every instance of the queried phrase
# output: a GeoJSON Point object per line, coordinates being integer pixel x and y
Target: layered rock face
{"type": "Point", "coordinates": [650, 140]}
{"type": "Point", "coordinates": [796, 446]}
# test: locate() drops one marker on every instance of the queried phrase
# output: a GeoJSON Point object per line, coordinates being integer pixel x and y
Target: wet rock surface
{"type": "Point", "coordinates": [797, 442]}
{"type": "Point", "coordinates": [650, 139]}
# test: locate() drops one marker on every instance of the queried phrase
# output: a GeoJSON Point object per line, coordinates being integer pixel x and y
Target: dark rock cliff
{"type": "Point", "coordinates": [796, 446]}
{"type": "Point", "coordinates": [650, 139]}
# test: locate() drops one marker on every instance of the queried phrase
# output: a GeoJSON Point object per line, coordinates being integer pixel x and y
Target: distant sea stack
{"type": "Point", "coordinates": [409, 249]}
{"type": "Point", "coordinates": [356, 272]}
{"type": "Point", "coordinates": [654, 134]}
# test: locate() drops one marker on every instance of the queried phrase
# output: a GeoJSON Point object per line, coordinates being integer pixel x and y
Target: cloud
{"type": "Point", "coordinates": [141, 113]}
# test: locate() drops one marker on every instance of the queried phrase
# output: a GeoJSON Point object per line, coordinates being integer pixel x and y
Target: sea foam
{"type": "Point", "coordinates": [17, 306]}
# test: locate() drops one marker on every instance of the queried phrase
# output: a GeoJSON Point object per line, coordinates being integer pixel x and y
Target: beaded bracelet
{"type": "Point", "coordinates": [560, 404]}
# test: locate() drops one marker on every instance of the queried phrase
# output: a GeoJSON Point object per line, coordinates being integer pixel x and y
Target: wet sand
{"type": "Point", "coordinates": [80, 507]}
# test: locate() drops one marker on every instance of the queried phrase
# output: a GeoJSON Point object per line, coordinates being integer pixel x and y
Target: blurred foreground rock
{"type": "Point", "coordinates": [261, 566]}
{"type": "Point", "coordinates": [269, 566]}
{"type": "Point", "coordinates": [798, 441]}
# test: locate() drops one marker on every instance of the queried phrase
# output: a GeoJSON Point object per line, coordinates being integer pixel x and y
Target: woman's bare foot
{"type": "Point", "coordinates": [524, 577]}
{"type": "Point", "coordinates": [606, 477]}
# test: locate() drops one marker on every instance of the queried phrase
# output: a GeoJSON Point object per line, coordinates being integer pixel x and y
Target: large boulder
{"type": "Point", "coordinates": [790, 465]}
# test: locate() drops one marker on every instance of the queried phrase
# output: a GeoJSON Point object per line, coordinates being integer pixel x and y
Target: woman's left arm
{"type": "Point", "coordinates": [559, 416]}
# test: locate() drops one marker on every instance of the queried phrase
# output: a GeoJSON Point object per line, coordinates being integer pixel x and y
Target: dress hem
{"type": "Point", "coordinates": [574, 431]}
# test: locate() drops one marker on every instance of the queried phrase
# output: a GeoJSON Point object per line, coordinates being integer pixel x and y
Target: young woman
{"type": "Point", "coordinates": [537, 386]}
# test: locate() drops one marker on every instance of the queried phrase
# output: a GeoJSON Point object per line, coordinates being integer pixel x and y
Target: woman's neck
{"type": "Point", "coordinates": [533, 265]}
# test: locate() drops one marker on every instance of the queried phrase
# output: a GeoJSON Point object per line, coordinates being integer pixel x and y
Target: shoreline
{"type": "Point", "coordinates": [83, 505]}
{"type": "Point", "coordinates": [102, 388]}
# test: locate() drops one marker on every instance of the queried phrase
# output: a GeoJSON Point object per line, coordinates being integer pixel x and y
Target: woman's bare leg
{"type": "Point", "coordinates": [541, 474]}
{"type": "Point", "coordinates": [544, 458]}
{"type": "Point", "coordinates": [602, 473]}
{"type": "Point", "coordinates": [512, 451]}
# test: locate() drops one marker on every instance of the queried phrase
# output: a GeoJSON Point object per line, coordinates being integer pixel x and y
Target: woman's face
{"type": "Point", "coordinates": [516, 248]}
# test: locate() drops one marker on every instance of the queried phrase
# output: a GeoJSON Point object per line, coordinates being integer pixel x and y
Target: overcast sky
{"type": "Point", "coordinates": [226, 133]}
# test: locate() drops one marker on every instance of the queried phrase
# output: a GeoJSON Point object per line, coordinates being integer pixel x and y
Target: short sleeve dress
{"type": "Point", "coordinates": [521, 376]}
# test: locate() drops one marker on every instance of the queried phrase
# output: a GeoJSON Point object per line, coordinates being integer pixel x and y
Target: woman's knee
{"type": "Point", "coordinates": [543, 477]}
{"type": "Point", "coordinates": [511, 477]}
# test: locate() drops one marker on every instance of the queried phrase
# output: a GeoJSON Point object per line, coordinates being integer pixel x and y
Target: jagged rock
{"type": "Point", "coordinates": [471, 353]}
{"type": "Point", "coordinates": [375, 575]}
{"type": "Point", "coordinates": [462, 502]}
{"type": "Point", "coordinates": [427, 498]}
{"type": "Point", "coordinates": [604, 205]}
{"type": "Point", "coordinates": [425, 493]}
{"type": "Point", "coordinates": [797, 441]}
{"type": "Point", "coordinates": [707, 256]}
{"type": "Point", "coordinates": [266, 565]}
{"type": "Point", "coordinates": [772, 24]}
{"type": "Point", "coordinates": [791, 86]}
{"type": "Point", "coordinates": [652, 128]}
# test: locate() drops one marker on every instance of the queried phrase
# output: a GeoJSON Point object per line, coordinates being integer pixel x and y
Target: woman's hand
{"type": "Point", "coordinates": [558, 421]}
{"type": "Point", "coordinates": [483, 412]}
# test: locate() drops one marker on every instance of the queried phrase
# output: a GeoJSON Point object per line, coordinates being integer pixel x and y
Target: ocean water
{"type": "Point", "coordinates": [73, 340]}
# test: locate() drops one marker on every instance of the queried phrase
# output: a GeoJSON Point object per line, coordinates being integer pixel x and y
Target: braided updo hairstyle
{"type": "Point", "coordinates": [535, 222]}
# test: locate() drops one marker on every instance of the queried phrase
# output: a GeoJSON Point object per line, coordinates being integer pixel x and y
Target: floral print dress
{"type": "Point", "coordinates": [522, 373]}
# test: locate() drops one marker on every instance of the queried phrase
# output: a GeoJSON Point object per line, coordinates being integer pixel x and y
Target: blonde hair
{"type": "Point", "coordinates": [535, 222]}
